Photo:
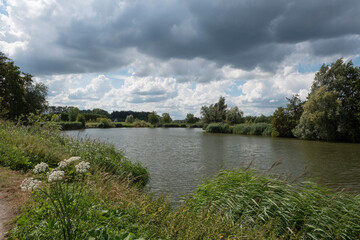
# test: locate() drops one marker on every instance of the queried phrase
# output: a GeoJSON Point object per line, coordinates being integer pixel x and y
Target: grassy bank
{"type": "Point", "coordinates": [109, 202]}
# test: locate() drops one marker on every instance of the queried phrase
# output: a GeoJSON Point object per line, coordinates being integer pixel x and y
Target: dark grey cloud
{"type": "Point", "coordinates": [337, 46]}
{"type": "Point", "coordinates": [244, 34]}
{"type": "Point", "coordinates": [309, 20]}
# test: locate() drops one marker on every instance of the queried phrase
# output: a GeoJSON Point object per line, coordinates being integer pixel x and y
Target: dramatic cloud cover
{"type": "Point", "coordinates": [175, 56]}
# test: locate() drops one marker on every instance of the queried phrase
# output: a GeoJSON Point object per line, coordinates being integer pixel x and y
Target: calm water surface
{"type": "Point", "coordinates": [178, 158]}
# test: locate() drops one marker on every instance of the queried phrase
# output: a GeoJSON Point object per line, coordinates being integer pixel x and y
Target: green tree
{"type": "Point", "coordinates": [262, 119]}
{"type": "Point", "coordinates": [166, 118]}
{"type": "Point", "coordinates": [35, 97]}
{"type": "Point", "coordinates": [320, 118]}
{"type": "Point", "coordinates": [55, 118]}
{"type": "Point", "coordinates": [100, 112]}
{"type": "Point", "coordinates": [73, 113]}
{"type": "Point", "coordinates": [215, 112]}
{"type": "Point", "coordinates": [81, 118]}
{"type": "Point", "coordinates": [280, 123]}
{"type": "Point", "coordinates": [234, 116]}
{"type": "Point", "coordinates": [343, 78]}
{"type": "Point", "coordinates": [285, 120]}
{"type": "Point", "coordinates": [153, 118]}
{"type": "Point", "coordinates": [129, 119]}
{"type": "Point", "coordinates": [19, 95]}
{"type": "Point", "coordinates": [190, 118]}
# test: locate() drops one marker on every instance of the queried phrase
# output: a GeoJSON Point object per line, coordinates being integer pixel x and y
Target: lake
{"type": "Point", "coordinates": [178, 158]}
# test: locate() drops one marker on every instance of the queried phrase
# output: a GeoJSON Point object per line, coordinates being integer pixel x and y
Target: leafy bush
{"type": "Point", "coordinates": [105, 123]}
{"type": "Point", "coordinates": [81, 118]}
{"type": "Point", "coordinates": [71, 125]}
{"type": "Point", "coordinates": [253, 129]}
{"type": "Point", "coordinates": [140, 123]}
{"type": "Point", "coordinates": [55, 118]}
{"type": "Point", "coordinates": [129, 119]}
{"type": "Point", "coordinates": [218, 128]}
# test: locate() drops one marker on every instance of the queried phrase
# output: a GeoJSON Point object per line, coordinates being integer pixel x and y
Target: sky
{"type": "Point", "coordinates": [175, 56]}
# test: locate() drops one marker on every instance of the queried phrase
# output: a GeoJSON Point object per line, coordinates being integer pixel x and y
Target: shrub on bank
{"type": "Point", "coordinates": [71, 125]}
{"type": "Point", "coordinates": [218, 128]}
{"type": "Point", "coordinates": [105, 123]}
{"type": "Point", "coordinates": [253, 129]}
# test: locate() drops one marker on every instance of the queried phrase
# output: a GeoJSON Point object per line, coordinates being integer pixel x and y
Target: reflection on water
{"type": "Point", "coordinates": [178, 159]}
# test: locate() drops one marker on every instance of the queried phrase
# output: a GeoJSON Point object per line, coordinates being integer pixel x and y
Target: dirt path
{"type": "Point", "coordinates": [11, 198]}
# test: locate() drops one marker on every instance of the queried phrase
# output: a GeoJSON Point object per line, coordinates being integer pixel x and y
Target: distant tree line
{"type": "Point", "coordinates": [120, 116]}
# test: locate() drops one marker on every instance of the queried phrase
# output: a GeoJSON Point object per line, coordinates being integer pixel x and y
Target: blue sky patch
{"type": "Point", "coordinates": [234, 90]}
{"type": "Point", "coordinates": [3, 7]}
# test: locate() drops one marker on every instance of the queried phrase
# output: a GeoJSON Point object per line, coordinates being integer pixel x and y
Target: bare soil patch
{"type": "Point", "coordinates": [12, 199]}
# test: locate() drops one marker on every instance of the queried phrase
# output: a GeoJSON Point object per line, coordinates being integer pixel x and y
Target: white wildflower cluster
{"type": "Point", "coordinates": [41, 167]}
{"type": "Point", "coordinates": [66, 162]}
{"type": "Point", "coordinates": [29, 184]}
{"type": "Point", "coordinates": [55, 176]}
{"type": "Point", "coordinates": [82, 167]}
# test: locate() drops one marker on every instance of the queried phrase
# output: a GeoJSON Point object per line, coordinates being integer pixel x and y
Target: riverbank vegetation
{"type": "Point", "coordinates": [106, 198]}
{"type": "Point", "coordinates": [331, 111]}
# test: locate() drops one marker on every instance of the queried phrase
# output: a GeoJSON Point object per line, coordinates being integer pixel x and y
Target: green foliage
{"type": "Point", "coordinates": [218, 128]}
{"type": "Point", "coordinates": [100, 111]}
{"type": "Point", "coordinates": [234, 116]}
{"type": "Point", "coordinates": [140, 123]}
{"type": "Point", "coordinates": [81, 118]}
{"type": "Point", "coordinates": [253, 129]}
{"type": "Point", "coordinates": [344, 79]}
{"type": "Point", "coordinates": [91, 117]}
{"type": "Point", "coordinates": [153, 118]}
{"type": "Point", "coordinates": [121, 116]}
{"type": "Point", "coordinates": [129, 119]}
{"type": "Point", "coordinates": [64, 117]}
{"type": "Point", "coordinates": [262, 119]}
{"type": "Point", "coordinates": [55, 118]}
{"type": "Point", "coordinates": [215, 112]}
{"type": "Point", "coordinates": [166, 118]}
{"type": "Point", "coordinates": [19, 94]}
{"type": "Point", "coordinates": [320, 119]}
{"type": "Point", "coordinates": [109, 159]}
{"type": "Point", "coordinates": [285, 120]}
{"type": "Point", "coordinates": [105, 123]}
{"type": "Point", "coordinates": [70, 125]}
{"type": "Point", "coordinates": [22, 147]}
{"type": "Point", "coordinates": [190, 118]}
{"type": "Point", "coordinates": [306, 211]}
{"type": "Point", "coordinates": [73, 113]}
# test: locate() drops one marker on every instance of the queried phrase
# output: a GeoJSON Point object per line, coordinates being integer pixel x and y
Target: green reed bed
{"type": "Point", "coordinates": [253, 129]}
{"type": "Point", "coordinates": [304, 211]}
